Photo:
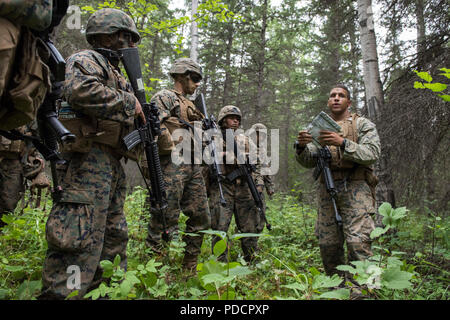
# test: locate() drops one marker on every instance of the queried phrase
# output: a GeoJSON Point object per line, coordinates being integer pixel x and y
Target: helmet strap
{"type": "Point", "coordinates": [112, 55]}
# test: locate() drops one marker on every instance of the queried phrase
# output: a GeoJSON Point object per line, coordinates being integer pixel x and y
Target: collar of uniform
{"type": "Point", "coordinates": [178, 93]}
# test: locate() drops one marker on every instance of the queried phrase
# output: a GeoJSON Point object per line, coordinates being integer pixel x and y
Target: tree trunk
{"type": "Point", "coordinates": [228, 79]}
{"type": "Point", "coordinates": [261, 64]}
{"type": "Point", "coordinates": [374, 93]}
{"type": "Point", "coordinates": [421, 46]}
{"type": "Point", "coordinates": [194, 32]}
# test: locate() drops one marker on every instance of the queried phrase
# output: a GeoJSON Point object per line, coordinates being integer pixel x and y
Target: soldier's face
{"type": "Point", "coordinates": [231, 122]}
{"type": "Point", "coordinates": [338, 101]}
{"type": "Point", "coordinates": [122, 39]}
{"type": "Point", "coordinates": [190, 84]}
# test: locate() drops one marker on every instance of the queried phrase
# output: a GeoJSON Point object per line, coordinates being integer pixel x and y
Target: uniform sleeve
{"type": "Point", "coordinates": [268, 183]}
{"type": "Point", "coordinates": [305, 158]}
{"type": "Point", "coordinates": [368, 148]}
{"type": "Point", "coordinates": [251, 147]}
{"type": "Point", "coordinates": [166, 102]}
{"type": "Point", "coordinates": [85, 91]}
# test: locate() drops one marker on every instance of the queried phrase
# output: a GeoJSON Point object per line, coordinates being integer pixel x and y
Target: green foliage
{"type": "Point", "coordinates": [289, 264]}
{"type": "Point", "coordinates": [436, 87]}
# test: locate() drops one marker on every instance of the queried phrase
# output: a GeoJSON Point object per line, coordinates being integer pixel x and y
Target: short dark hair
{"type": "Point", "coordinates": [342, 86]}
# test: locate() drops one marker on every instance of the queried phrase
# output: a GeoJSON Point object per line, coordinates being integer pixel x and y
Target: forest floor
{"type": "Point", "coordinates": [410, 262]}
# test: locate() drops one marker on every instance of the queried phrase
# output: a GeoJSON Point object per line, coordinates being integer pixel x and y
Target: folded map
{"type": "Point", "coordinates": [322, 122]}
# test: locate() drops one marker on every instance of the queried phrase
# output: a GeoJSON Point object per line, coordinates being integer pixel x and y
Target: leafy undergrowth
{"type": "Point", "coordinates": [410, 259]}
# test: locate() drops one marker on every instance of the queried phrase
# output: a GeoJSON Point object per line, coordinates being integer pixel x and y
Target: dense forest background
{"type": "Point", "coordinates": [276, 61]}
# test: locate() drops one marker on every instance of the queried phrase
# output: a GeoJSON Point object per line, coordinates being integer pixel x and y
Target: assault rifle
{"type": "Point", "coordinates": [209, 124]}
{"type": "Point", "coordinates": [246, 170]}
{"type": "Point", "coordinates": [50, 129]}
{"type": "Point", "coordinates": [323, 158]}
{"type": "Point", "coordinates": [146, 134]}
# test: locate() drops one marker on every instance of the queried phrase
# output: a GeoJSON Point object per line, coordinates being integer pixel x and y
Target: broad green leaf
{"type": "Point", "coordinates": [446, 72]}
{"type": "Point", "coordinates": [339, 294]}
{"type": "Point", "coordinates": [215, 278]}
{"type": "Point", "coordinates": [240, 271]}
{"type": "Point", "coordinates": [418, 85]}
{"type": "Point", "coordinates": [72, 294]}
{"type": "Point", "coordinates": [218, 233]}
{"type": "Point", "coordinates": [296, 286]}
{"type": "Point", "coordinates": [125, 287]}
{"type": "Point", "coordinates": [345, 267]}
{"type": "Point", "coordinates": [424, 76]}
{"type": "Point", "coordinates": [219, 247]}
{"type": "Point", "coordinates": [385, 209]}
{"type": "Point", "coordinates": [378, 232]}
{"type": "Point", "coordinates": [14, 268]}
{"type": "Point", "coordinates": [394, 278]}
{"type": "Point", "coordinates": [435, 87]}
{"type": "Point", "coordinates": [150, 280]}
{"type": "Point", "coordinates": [445, 97]}
{"type": "Point", "coordinates": [399, 213]}
{"type": "Point", "coordinates": [314, 271]}
{"type": "Point", "coordinates": [238, 236]}
{"type": "Point", "coordinates": [323, 281]}
{"type": "Point", "coordinates": [116, 260]}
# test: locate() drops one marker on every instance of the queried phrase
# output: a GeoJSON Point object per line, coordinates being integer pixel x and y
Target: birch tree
{"type": "Point", "coordinates": [374, 91]}
{"type": "Point", "coordinates": [194, 31]}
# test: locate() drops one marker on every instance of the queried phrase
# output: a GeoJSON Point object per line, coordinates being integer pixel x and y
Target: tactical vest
{"type": "Point", "coordinates": [349, 132]}
{"type": "Point", "coordinates": [346, 169]}
{"type": "Point", "coordinates": [184, 110]}
{"type": "Point", "coordinates": [106, 134]}
{"type": "Point", "coordinates": [29, 77]}
{"type": "Point", "coordinates": [230, 170]}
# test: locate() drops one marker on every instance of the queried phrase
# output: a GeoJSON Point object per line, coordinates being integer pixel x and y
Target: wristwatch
{"type": "Point", "coordinates": [343, 144]}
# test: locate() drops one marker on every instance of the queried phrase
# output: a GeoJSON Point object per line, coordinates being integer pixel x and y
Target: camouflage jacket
{"type": "Point", "coordinates": [172, 103]}
{"type": "Point", "coordinates": [365, 151]}
{"type": "Point", "coordinates": [95, 88]}
{"type": "Point", "coordinates": [244, 145]}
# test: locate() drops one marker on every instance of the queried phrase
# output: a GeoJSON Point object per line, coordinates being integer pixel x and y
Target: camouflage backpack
{"type": "Point", "coordinates": [34, 14]}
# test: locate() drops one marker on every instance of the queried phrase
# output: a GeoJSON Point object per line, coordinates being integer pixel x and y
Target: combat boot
{"type": "Point", "coordinates": [332, 256]}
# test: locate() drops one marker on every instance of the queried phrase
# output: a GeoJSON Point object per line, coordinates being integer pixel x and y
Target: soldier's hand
{"type": "Point", "coordinates": [304, 138]}
{"type": "Point", "coordinates": [260, 188]}
{"type": "Point", "coordinates": [139, 112]}
{"type": "Point", "coordinates": [329, 138]}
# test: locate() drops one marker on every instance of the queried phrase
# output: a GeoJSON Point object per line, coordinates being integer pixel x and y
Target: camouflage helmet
{"type": "Point", "coordinates": [109, 21]}
{"type": "Point", "coordinates": [183, 65]}
{"type": "Point", "coordinates": [228, 111]}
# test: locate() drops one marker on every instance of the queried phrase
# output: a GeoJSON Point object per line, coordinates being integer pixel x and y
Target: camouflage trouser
{"type": "Point", "coordinates": [87, 225]}
{"type": "Point", "coordinates": [354, 204]}
{"type": "Point", "coordinates": [240, 203]}
{"type": "Point", "coordinates": [11, 185]}
{"type": "Point", "coordinates": [186, 192]}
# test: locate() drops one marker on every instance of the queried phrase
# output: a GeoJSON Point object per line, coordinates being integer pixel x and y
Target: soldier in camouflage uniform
{"type": "Point", "coordinates": [185, 185]}
{"type": "Point", "coordinates": [265, 181]}
{"type": "Point", "coordinates": [353, 151]}
{"type": "Point", "coordinates": [239, 201]}
{"type": "Point", "coordinates": [87, 222]}
{"type": "Point", "coordinates": [19, 161]}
